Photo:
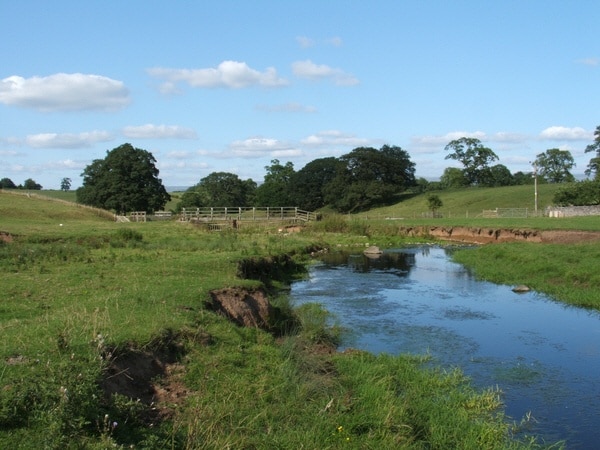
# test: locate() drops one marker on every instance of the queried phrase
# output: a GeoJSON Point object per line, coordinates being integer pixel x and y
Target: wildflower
{"type": "Point", "coordinates": [340, 429]}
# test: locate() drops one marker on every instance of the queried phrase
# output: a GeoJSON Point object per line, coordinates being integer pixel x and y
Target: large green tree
{"type": "Point", "coordinates": [499, 176]}
{"type": "Point", "coordinates": [307, 186]}
{"type": "Point", "coordinates": [31, 185]}
{"type": "Point", "coordinates": [453, 177]}
{"type": "Point", "coordinates": [367, 177]}
{"type": "Point", "coordinates": [125, 180]}
{"type": "Point", "coordinates": [593, 167]}
{"type": "Point", "coordinates": [474, 157]}
{"type": "Point", "coordinates": [7, 183]}
{"type": "Point", "coordinates": [219, 189]}
{"type": "Point", "coordinates": [275, 191]}
{"type": "Point", "coordinates": [554, 165]}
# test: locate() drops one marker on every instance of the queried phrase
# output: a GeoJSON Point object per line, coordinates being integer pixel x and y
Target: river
{"type": "Point", "coordinates": [543, 355]}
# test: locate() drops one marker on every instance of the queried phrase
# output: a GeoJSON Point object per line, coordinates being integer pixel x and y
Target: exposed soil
{"type": "Point", "coordinates": [154, 376]}
{"type": "Point", "coordinates": [5, 237]}
{"type": "Point", "coordinates": [491, 235]}
{"type": "Point", "coordinates": [243, 307]}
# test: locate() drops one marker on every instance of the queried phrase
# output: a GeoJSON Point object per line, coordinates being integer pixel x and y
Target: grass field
{"type": "Point", "coordinates": [81, 293]}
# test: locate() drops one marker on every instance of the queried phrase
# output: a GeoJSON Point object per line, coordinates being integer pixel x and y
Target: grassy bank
{"type": "Point", "coordinates": [565, 272]}
{"type": "Point", "coordinates": [88, 303]}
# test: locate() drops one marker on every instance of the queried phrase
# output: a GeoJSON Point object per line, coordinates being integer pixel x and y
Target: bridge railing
{"type": "Point", "coordinates": [266, 213]}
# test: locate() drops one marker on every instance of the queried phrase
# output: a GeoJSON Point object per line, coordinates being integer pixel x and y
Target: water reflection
{"type": "Point", "coordinates": [543, 355]}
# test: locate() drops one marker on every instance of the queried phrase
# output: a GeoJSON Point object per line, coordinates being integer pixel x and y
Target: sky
{"type": "Point", "coordinates": [228, 86]}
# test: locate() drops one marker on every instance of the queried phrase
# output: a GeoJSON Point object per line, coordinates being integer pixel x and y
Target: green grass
{"type": "Point", "coordinates": [470, 202]}
{"type": "Point", "coordinates": [565, 272]}
{"type": "Point", "coordinates": [77, 296]}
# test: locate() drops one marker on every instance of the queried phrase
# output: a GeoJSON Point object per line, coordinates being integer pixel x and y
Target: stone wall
{"type": "Point", "coordinates": [573, 211]}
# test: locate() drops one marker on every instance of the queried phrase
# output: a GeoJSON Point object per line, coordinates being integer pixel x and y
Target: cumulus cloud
{"type": "Point", "coordinates": [559, 133]}
{"type": "Point", "coordinates": [311, 71]}
{"type": "Point", "coordinates": [589, 61]}
{"type": "Point", "coordinates": [305, 42]}
{"type": "Point", "coordinates": [150, 131]}
{"type": "Point", "coordinates": [436, 142]}
{"type": "Point", "coordinates": [335, 41]}
{"type": "Point", "coordinates": [290, 107]}
{"type": "Point", "coordinates": [64, 92]}
{"type": "Point", "coordinates": [329, 138]}
{"type": "Point", "coordinates": [67, 140]}
{"type": "Point", "coordinates": [259, 146]}
{"type": "Point", "coordinates": [65, 164]}
{"type": "Point", "coordinates": [228, 74]}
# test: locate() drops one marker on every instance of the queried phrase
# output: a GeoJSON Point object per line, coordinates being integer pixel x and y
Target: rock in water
{"type": "Point", "coordinates": [521, 288]}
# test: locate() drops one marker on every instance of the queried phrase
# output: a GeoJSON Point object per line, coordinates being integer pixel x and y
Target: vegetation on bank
{"type": "Point", "coordinates": [83, 296]}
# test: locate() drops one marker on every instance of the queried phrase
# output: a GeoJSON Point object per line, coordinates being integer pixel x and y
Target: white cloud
{"type": "Point", "coordinates": [559, 133]}
{"type": "Point", "coordinates": [507, 137]}
{"type": "Point", "coordinates": [260, 146]}
{"type": "Point", "coordinates": [150, 131]}
{"type": "Point", "coordinates": [311, 71]}
{"type": "Point", "coordinates": [179, 155]}
{"type": "Point", "coordinates": [335, 41]}
{"type": "Point", "coordinates": [330, 138]}
{"type": "Point", "coordinates": [65, 164]}
{"type": "Point", "coordinates": [305, 42]}
{"type": "Point", "coordinates": [228, 74]}
{"type": "Point", "coordinates": [64, 92]}
{"type": "Point", "coordinates": [440, 141]}
{"type": "Point", "coordinates": [67, 140]}
{"type": "Point", "coordinates": [290, 107]}
{"type": "Point", "coordinates": [589, 61]}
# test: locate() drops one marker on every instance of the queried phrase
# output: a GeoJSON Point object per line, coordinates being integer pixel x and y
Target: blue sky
{"type": "Point", "coordinates": [209, 86]}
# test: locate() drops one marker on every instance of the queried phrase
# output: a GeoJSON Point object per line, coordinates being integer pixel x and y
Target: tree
{"type": "Point", "coordinates": [581, 193]}
{"type": "Point", "coordinates": [275, 191]}
{"type": "Point", "coordinates": [220, 189]}
{"type": "Point", "coordinates": [367, 176]}
{"type": "Point", "coordinates": [7, 183]}
{"type": "Point", "coordinates": [31, 185]}
{"type": "Point", "coordinates": [554, 165]}
{"type": "Point", "coordinates": [307, 186]}
{"type": "Point", "coordinates": [594, 164]}
{"type": "Point", "coordinates": [434, 203]}
{"type": "Point", "coordinates": [474, 157]}
{"type": "Point", "coordinates": [125, 180]}
{"type": "Point", "coordinates": [521, 178]}
{"type": "Point", "coordinates": [65, 184]}
{"type": "Point", "coordinates": [453, 177]}
{"type": "Point", "coordinates": [499, 176]}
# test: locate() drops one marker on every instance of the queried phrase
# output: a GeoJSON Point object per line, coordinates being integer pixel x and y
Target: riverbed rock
{"type": "Point", "coordinates": [373, 250]}
{"type": "Point", "coordinates": [521, 288]}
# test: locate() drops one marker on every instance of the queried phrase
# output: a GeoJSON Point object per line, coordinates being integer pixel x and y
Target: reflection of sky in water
{"type": "Point", "coordinates": [543, 355]}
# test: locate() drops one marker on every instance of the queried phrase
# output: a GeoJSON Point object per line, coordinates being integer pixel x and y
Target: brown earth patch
{"type": "Point", "coordinates": [153, 379]}
{"type": "Point", "coordinates": [492, 235]}
{"type": "Point", "coordinates": [5, 237]}
{"type": "Point", "coordinates": [249, 308]}
{"type": "Point", "coordinates": [152, 376]}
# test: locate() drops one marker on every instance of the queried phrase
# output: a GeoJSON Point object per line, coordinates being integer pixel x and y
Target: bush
{"type": "Point", "coordinates": [581, 193]}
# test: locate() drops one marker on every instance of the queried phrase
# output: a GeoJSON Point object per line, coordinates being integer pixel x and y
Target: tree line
{"type": "Point", "coordinates": [127, 179]}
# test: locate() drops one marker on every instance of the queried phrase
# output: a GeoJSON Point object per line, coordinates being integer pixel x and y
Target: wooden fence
{"type": "Point", "coordinates": [246, 214]}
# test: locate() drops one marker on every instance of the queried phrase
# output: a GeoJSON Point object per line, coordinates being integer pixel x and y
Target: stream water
{"type": "Point", "coordinates": [544, 356]}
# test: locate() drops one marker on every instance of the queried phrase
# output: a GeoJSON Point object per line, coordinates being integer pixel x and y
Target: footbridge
{"type": "Point", "coordinates": [235, 216]}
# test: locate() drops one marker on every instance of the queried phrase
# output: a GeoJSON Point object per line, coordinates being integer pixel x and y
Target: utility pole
{"type": "Point", "coordinates": [535, 187]}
